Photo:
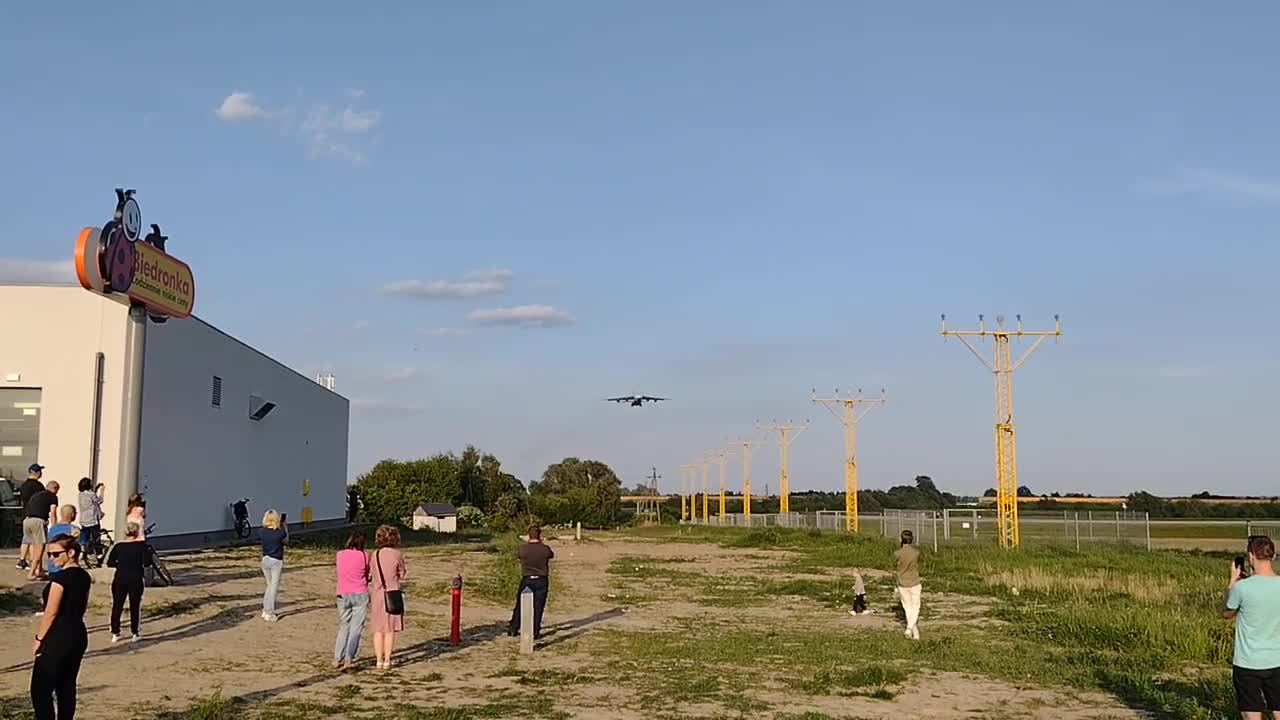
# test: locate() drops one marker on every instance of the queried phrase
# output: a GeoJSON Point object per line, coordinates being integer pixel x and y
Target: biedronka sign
{"type": "Point", "coordinates": [116, 260]}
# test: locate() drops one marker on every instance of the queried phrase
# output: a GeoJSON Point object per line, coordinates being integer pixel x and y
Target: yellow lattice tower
{"type": "Point", "coordinates": [855, 407]}
{"type": "Point", "coordinates": [721, 457]}
{"type": "Point", "coordinates": [1002, 366]}
{"type": "Point", "coordinates": [786, 434]}
{"type": "Point", "coordinates": [686, 483]}
{"type": "Point", "coordinates": [747, 447]}
{"type": "Point", "coordinates": [704, 464]}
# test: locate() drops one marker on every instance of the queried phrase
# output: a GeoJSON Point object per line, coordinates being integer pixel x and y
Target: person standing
{"type": "Point", "coordinates": [388, 571]}
{"type": "Point", "coordinates": [138, 514]}
{"type": "Point", "coordinates": [908, 560]}
{"type": "Point", "coordinates": [274, 537]}
{"type": "Point", "coordinates": [1254, 603]}
{"type": "Point", "coordinates": [64, 526]}
{"type": "Point", "coordinates": [90, 517]}
{"type": "Point", "coordinates": [40, 512]}
{"type": "Point", "coordinates": [535, 569]}
{"type": "Point", "coordinates": [61, 639]}
{"type": "Point", "coordinates": [130, 559]}
{"type": "Point", "coordinates": [30, 486]}
{"type": "Point", "coordinates": [352, 567]}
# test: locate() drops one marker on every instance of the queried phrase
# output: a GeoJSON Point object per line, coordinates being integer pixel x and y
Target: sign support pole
{"type": "Point", "coordinates": [131, 423]}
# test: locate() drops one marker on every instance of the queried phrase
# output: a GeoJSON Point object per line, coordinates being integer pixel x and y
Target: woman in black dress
{"type": "Point", "coordinates": [62, 638]}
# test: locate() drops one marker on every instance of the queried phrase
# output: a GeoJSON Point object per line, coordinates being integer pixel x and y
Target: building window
{"type": "Point", "coordinates": [217, 392]}
{"type": "Point", "coordinates": [19, 431]}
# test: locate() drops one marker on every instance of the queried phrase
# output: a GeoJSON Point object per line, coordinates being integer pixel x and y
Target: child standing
{"type": "Point", "coordinates": [859, 596]}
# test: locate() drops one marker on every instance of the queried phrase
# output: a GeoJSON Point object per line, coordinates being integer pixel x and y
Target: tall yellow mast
{"type": "Point", "coordinates": [853, 412]}
{"type": "Point", "coordinates": [1002, 366]}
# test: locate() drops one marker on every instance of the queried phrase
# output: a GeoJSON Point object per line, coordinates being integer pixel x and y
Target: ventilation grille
{"type": "Point", "coordinates": [216, 399]}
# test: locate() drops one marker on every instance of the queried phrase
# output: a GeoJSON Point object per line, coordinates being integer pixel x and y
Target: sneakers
{"type": "Point", "coordinates": [136, 637]}
{"type": "Point", "coordinates": [912, 633]}
{"type": "Point", "coordinates": [270, 617]}
{"type": "Point", "coordinates": [115, 639]}
{"type": "Point", "coordinates": [22, 565]}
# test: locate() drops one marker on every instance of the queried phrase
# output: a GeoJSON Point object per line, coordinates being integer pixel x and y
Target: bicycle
{"type": "Point", "coordinates": [160, 570]}
{"type": "Point", "coordinates": [99, 550]}
{"type": "Point", "coordinates": [240, 509]}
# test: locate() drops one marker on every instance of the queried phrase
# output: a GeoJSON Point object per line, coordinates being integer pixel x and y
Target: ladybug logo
{"type": "Point", "coordinates": [119, 259]}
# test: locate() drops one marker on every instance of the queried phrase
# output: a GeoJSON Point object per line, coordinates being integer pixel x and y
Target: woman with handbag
{"type": "Point", "coordinates": [387, 600]}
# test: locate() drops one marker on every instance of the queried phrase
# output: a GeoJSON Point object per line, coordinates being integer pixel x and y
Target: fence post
{"type": "Point", "coordinates": [1117, 524]}
{"type": "Point", "coordinates": [1077, 531]}
{"type": "Point", "coordinates": [935, 532]}
{"type": "Point", "coordinates": [946, 523]}
{"type": "Point", "coordinates": [1148, 522]}
{"type": "Point", "coordinates": [1066, 529]}
{"type": "Point", "coordinates": [975, 524]}
{"type": "Point", "coordinates": [526, 621]}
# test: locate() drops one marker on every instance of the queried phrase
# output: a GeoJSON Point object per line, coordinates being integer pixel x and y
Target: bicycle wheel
{"type": "Point", "coordinates": [162, 571]}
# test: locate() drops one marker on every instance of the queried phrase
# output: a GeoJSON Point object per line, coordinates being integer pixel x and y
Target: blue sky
{"type": "Point", "coordinates": [485, 217]}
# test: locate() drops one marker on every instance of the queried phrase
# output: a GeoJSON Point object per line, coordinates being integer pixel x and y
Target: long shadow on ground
{"type": "Point", "coordinates": [423, 651]}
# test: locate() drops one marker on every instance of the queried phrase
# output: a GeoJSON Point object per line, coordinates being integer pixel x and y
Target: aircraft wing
{"type": "Point", "coordinates": [650, 397]}
{"type": "Point", "coordinates": [620, 399]}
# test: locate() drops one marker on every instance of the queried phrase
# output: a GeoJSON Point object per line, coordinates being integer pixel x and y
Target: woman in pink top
{"type": "Point", "coordinates": [138, 514]}
{"type": "Point", "coordinates": [388, 570]}
{"type": "Point", "coordinates": [353, 599]}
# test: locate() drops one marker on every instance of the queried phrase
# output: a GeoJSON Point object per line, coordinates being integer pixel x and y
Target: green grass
{"type": "Point", "coordinates": [1142, 626]}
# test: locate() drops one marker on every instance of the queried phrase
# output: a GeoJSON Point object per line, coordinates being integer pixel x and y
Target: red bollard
{"type": "Point", "coordinates": [455, 630]}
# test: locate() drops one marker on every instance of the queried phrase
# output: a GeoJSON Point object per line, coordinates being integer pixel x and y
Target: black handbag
{"type": "Point", "coordinates": [393, 600]}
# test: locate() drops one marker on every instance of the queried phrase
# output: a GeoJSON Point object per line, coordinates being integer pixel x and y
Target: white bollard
{"type": "Point", "coordinates": [578, 532]}
{"type": "Point", "coordinates": [526, 622]}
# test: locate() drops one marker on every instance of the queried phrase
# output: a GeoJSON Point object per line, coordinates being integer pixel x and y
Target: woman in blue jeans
{"type": "Point", "coordinates": [352, 567]}
{"type": "Point", "coordinates": [274, 537]}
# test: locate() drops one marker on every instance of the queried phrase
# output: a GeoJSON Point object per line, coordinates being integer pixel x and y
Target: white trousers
{"type": "Point", "coordinates": [910, 597]}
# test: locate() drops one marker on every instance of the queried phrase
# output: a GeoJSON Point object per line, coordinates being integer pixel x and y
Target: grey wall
{"type": "Point", "coordinates": [197, 458]}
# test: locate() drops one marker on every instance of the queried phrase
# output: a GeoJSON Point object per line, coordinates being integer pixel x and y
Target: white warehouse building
{"type": "Point", "coordinates": [220, 421]}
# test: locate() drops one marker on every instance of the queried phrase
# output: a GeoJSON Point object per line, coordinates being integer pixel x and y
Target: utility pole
{"type": "Point", "coordinates": [652, 506]}
{"type": "Point", "coordinates": [747, 447]}
{"type": "Point", "coordinates": [786, 434]}
{"type": "Point", "coordinates": [1002, 366]}
{"type": "Point", "coordinates": [849, 418]}
{"type": "Point", "coordinates": [722, 457]}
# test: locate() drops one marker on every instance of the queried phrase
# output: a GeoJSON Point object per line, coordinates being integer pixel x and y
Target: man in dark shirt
{"type": "Point", "coordinates": [535, 565]}
{"type": "Point", "coordinates": [29, 488]}
{"type": "Point", "coordinates": [40, 512]}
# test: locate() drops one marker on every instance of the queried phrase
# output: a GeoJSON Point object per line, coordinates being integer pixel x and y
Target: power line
{"type": "Point", "coordinates": [854, 411]}
{"type": "Point", "coordinates": [1002, 366]}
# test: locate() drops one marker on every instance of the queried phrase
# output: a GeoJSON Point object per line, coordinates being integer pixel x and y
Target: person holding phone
{"type": "Point", "coordinates": [1252, 599]}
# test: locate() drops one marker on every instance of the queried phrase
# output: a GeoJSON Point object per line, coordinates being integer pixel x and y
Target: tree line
{"type": "Point", "coordinates": [1158, 507]}
{"type": "Point", "coordinates": [570, 491]}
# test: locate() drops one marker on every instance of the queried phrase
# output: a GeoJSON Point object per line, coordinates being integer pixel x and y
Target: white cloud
{"type": "Point", "coordinates": [474, 284]}
{"type": "Point", "coordinates": [239, 106]}
{"type": "Point", "coordinates": [21, 270]}
{"type": "Point", "coordinates": [522, 316]}
{"type": "Point", "coordinates": [326, 130]}
{"type": "Point", "coordinates": [396, 375]}
{"type": "Point", "coordinates": [1216, 183]}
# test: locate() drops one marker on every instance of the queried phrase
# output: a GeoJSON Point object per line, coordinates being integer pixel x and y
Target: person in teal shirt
{"type": "Point", "coordinates": [64, 526]}
{"type": "Point", "coordinates": [1253, 601]}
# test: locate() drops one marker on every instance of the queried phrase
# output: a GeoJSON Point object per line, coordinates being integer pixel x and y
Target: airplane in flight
{"type": "Point", "coordinates": [634, 400]}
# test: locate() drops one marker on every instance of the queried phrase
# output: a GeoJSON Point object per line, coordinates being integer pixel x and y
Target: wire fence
{"type": "Point", "coordinates": [960, 526]}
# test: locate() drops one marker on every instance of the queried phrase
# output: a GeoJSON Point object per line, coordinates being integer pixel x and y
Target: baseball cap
{"type": "Point", "coordinates": [35, 468]}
